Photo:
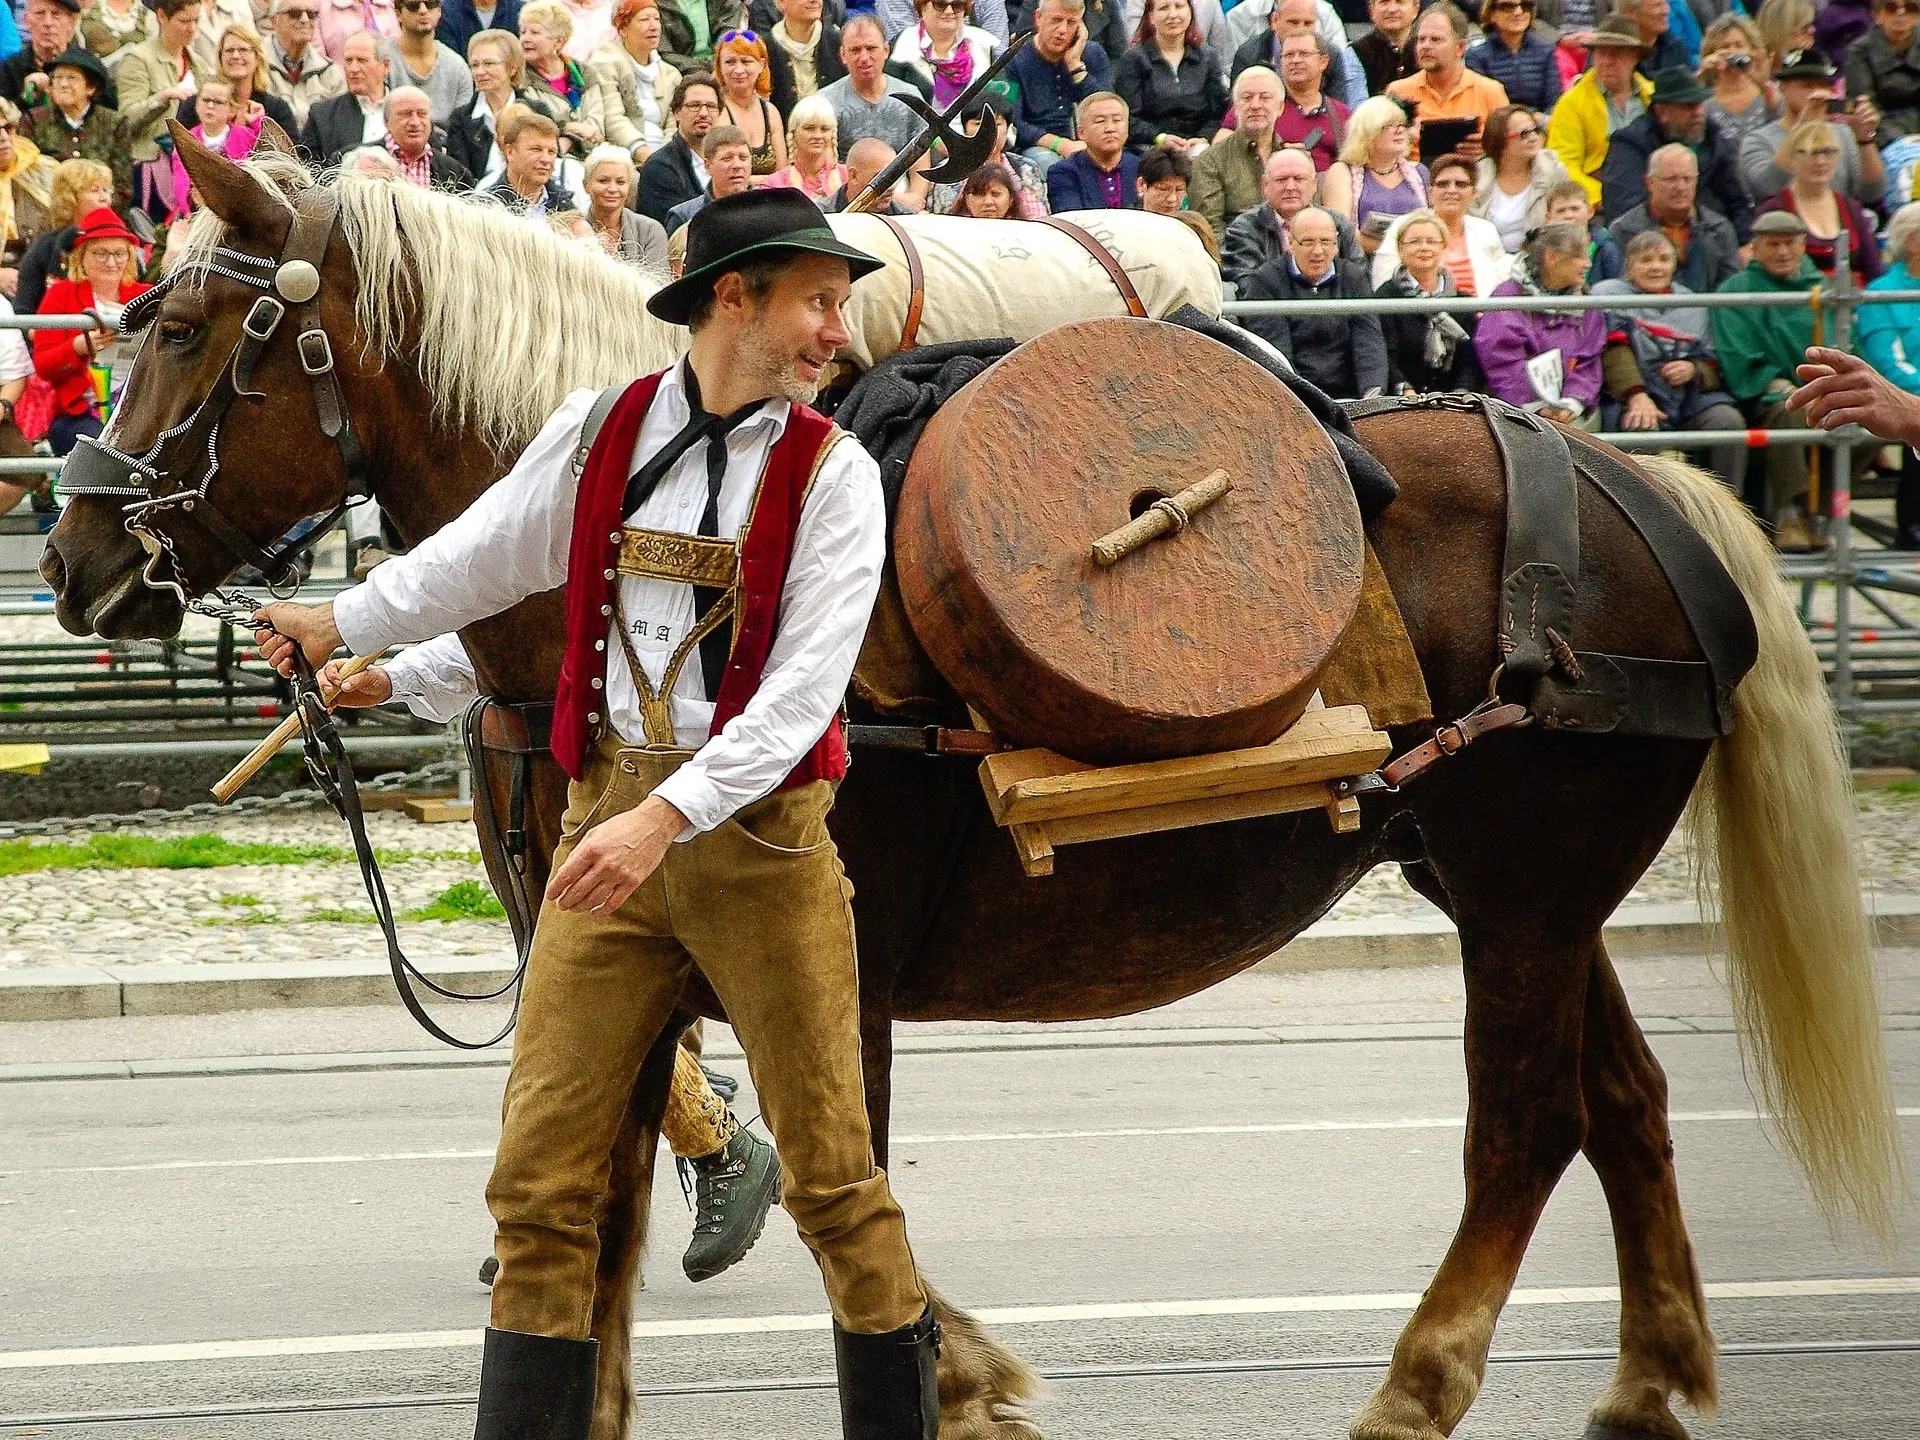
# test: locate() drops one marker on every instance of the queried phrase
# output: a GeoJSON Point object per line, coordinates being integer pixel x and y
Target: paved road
{"type": "Point", "coordinates": [1317, 1177]}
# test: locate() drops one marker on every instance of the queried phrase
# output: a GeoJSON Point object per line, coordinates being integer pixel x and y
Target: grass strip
{"type": "Point", "coordinates": [189, 852]}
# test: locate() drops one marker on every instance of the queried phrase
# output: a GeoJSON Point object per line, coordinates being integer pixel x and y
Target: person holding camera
{"type": "Point", "coordinates": [1733, 64]}
{"type": "Point", "coordinates": [1806, 81]}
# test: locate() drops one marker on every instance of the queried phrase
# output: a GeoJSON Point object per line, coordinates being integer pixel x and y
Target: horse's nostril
{"type": "Point", "coordinates": [52, 568]}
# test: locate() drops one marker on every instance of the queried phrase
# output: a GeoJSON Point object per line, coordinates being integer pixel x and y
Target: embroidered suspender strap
{"type": "Point", "coordinates": [1116, 272]}
{"type": "Point", "coordinates": [656, 714]}
{"type": "Point", "coordinates": [916, 280]}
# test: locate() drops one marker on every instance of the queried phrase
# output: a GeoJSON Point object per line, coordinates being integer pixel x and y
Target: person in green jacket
{"type": "Point", "coordinates": [1759, 350]}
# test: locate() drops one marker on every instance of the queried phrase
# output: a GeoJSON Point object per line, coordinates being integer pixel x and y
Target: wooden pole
{"type": "Point", "coordinates": [258, 757]}
{"type": "Point", "coordinates": [1167, 516]}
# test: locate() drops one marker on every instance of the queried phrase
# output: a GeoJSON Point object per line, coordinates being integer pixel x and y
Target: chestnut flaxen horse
{"type": "Point", "coordinates": [457, 329]}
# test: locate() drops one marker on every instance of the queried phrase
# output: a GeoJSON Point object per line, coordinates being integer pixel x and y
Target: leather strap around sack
{"type": "Point", "coordinates": [916, 280]}
{"type": "Point", "coordinates": [1116, 272]}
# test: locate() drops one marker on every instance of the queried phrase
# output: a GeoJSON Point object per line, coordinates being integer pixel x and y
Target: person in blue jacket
{"type": "Point", "coordinates": [1889, 339]}
{"type": "Point", "coordinates": [1101, 175]}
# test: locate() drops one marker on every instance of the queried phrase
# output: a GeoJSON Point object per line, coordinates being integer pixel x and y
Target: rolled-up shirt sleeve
{"type": "Point", "coordinates": [434, 679]}
{"type": "Point", "coordinates": [831, 583]}
{"type": "Point", "coordinates": [510, 543]}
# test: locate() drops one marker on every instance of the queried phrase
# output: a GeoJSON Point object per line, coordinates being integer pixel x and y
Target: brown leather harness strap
{"type": "Point", "coordinates": [916, 280]}
{"type": "Point", "coordinates": [1116, 272]}
{"type": "Point", "coordinates": [1451, 738]}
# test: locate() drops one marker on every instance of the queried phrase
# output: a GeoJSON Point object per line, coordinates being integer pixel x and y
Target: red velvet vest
{"type": "Point", "coordinates": [766, 549]}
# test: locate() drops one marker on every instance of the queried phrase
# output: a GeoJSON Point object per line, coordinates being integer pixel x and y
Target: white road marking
{"type": "Point", "coordinates": [980, 1137]}
{"type": "Point", "coordinates": [87, 1357]}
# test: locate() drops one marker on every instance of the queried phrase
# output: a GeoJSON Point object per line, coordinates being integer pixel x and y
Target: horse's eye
{"type": "Point", "coordinates": [177, 332]}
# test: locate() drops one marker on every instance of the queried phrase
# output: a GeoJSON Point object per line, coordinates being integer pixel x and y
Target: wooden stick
{"type": "Point", "coordinates": [1162, 518]}
{"type": "Point", "coordinates": [258, 757]}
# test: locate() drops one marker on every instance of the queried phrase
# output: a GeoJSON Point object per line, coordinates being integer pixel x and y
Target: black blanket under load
{"type": "Point", "coordinates": [890, 405]}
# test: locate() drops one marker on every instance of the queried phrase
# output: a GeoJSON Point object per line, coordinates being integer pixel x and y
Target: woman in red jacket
{"type": "Point", "coordinates": [104, 274]}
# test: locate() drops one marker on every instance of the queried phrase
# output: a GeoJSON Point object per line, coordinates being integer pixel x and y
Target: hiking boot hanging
{"type": "Point", "coordinates": [732, 1190]}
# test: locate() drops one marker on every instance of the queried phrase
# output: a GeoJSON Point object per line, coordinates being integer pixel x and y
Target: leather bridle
{"type": "Point", "coordinates": [188, 454]}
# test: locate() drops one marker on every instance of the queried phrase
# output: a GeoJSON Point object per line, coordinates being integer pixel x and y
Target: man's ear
{"type": "Point", "coordinates": [230, 192]}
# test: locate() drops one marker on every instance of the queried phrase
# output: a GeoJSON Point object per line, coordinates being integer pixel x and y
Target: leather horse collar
{"type": "Point", "coordinates": [188, 454]}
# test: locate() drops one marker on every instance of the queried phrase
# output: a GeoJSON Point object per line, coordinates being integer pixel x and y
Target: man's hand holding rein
{"type": "Point", "coordinates": [283, 623]}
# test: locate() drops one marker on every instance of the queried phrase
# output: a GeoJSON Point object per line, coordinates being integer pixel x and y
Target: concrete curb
{"type": "Point", "coordinates": [110, 991]}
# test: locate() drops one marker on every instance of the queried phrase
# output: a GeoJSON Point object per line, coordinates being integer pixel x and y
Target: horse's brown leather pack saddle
{"type": "Point", "coordinates": [1542, 678]}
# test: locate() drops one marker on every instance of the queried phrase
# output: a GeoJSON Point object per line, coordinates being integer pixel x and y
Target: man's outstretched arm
{"type": "Point", "coordinates": [510, 543]}
{"type": "Point", "coordinates": [1840, 389]}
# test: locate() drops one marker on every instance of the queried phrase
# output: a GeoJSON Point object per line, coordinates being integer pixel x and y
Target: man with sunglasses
{"type": "Point", "coordinates": [417, 57]}
{"type": "Point", "coordinates": [298, 70]}
{"type": "Point", "coordinates": [1883, 67]}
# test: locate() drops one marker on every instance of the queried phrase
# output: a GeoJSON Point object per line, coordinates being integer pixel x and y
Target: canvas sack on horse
{"type": "Point", "coordinates": [1207, 638]}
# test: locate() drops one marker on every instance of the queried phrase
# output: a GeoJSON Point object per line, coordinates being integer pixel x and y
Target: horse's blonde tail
{"type": "Point", "coordinates": [1772, 820]}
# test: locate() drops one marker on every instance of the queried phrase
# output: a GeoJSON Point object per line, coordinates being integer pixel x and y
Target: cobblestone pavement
{"type": "Point", "coordinates": [319, 910]}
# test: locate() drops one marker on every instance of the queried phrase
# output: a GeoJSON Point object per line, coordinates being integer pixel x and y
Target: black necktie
{"type": "Point", "coordinates": [714, 429]}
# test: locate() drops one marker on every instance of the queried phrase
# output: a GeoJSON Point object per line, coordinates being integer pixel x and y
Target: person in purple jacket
{"type": "Point", "coordinates": [1547, 361]}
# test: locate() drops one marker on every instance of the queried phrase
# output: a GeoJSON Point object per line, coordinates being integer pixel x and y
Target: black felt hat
{"type": "Point", "coordinates": [85, 61]}
{"type": "Point", "coordinates": [752, 225]}
{"type": "Point", "coordinates": [1677, 85]}
{"type": "Point", "coordinates": [1805, 65]}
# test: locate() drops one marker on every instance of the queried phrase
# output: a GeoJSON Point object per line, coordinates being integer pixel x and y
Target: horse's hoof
{"type": "Point", "coordinates": [489, 1268]}
{"type": "Point", "coordinates": [1608, 1430]}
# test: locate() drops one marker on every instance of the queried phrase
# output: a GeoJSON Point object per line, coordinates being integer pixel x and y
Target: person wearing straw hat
{"type": "Point", "coordinates": [721, 545]}
{"type": "Point", "coordinates": [1609, 95]}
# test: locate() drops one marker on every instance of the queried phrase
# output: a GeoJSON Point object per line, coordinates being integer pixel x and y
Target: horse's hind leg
{"type": "Point", "coordinates": [1525, 993]}
{"type": "Point", "coordinates": [623, 1235]}
{"type": "Point", "coordinates": [1665, 1346]}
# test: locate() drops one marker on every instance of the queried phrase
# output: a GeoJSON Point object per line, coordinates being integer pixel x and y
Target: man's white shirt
{"type": "Point", "coordinates": [514, 540]}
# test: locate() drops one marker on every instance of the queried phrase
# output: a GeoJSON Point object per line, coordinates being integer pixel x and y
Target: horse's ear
{"type": "Point", "coordinates": [230, 192]}
{"type": "Point", "coordinates": [272, 137]}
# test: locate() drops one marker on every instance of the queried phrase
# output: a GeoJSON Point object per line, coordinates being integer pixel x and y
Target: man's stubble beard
{"type": "Point", "coordinates": [770, 369]}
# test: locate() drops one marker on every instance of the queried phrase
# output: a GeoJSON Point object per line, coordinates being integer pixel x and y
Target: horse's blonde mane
{"type": "Point", "coordinates": [501, 319]}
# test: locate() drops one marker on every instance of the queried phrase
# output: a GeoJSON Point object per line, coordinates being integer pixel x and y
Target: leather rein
{"type": "Point", "coordinates": [189, 453]}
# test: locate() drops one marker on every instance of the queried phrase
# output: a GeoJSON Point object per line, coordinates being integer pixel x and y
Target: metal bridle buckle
{"type": "Point", "coordinates": [316, 352]}
{"type": "Point", "coordinates": [273, 311]}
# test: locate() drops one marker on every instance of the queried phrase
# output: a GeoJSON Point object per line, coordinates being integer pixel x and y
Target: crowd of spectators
{"type": "Point", "coordinates": [1364, 148]}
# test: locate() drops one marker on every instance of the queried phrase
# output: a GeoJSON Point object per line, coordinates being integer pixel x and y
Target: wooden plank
{"type": "Point", "coordinates": [439, 812]}
{"type": "Point", "coordinates": [1077, 829]}
{"type": "Point", "coordinates": [1024, 787]}
{"type": "Point", "coordinates": [1344, 812]}
{"type": "Point", "coordinates": [1035, 849]}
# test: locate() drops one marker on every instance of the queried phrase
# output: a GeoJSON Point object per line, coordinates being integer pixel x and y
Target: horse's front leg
{"type": "Point", "coordinates": [1525, 998]}
{"type": "Point", "coordinates": [1665, 1346]}
{"type": "Point", "coordinates": [623, 1235]}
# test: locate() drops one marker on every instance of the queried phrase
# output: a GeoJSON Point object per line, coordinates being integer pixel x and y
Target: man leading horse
{"type": "Point", "coordinates": [721, 544]}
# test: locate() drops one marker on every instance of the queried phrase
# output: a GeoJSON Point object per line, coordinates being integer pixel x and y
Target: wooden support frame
{"type": "Point", "coordinates": [1046, 800]}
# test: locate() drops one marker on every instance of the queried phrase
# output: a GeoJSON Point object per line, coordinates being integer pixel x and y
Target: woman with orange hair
{"type": "Point", "coordinates": [740, 59]}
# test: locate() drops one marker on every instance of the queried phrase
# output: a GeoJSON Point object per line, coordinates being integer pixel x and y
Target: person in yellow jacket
{"type": "Point", "coordinates": [1609, 94]}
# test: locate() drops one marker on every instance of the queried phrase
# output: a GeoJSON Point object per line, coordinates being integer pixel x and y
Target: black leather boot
{"type": "Point", "coordinates": [887, 1389]}
{"type": "Point", "coordinates": [534, 1387]}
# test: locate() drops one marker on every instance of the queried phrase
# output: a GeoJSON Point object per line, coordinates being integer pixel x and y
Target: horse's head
{"type": "Point", "coordinates": [233, 427]}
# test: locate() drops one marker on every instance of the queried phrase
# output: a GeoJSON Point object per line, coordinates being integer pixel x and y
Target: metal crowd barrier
{"type": "Point", "coordinates": [1833, 304]}
{"type": "Point", "coordinates": [84, 320]}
